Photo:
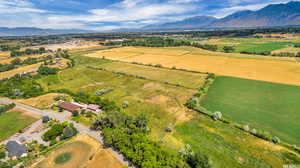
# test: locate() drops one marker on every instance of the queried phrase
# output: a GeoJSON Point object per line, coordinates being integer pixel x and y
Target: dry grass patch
{"type": "Point", "coordinates": [81, 148]}
{"type": "Point", "coordinates": [19, 70]}
{"type": "Point", "coordinates": [7, 60]}
{"type": "Point", "coordinates": [264, 68]}
{"type": "Point", "coordinates": [41, 102]}
{"type": "Point", "coordinates": [104, 159]}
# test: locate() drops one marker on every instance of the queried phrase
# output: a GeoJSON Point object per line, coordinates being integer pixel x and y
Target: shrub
{"type": "Point", "coordinates": [275, 140]}
{"type": "Point", "coordinates": [2, 155]}
{"type": "Point", "coordinates": [217, 115]}
{"type": "Point", "coordinates": [246, 128]}
{"type": "Point", "coordinates": [169, 128]}
{"type": "Point", "coordinates": [253, 131]}
{"type": "Point", "coordinates": [75, 113]}
{"type": "Point", "coordinates": [69, 132]}
{"type": "Point", "coordinates": [199, 160]}
{"type": "Point", "coordinates": [55, 131]}
{"type": "Point", "coordinates": [125, 104]}
{"type": "Point", "coordinates": [296, 148]}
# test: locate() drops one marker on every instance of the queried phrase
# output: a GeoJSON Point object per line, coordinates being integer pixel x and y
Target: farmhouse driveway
{"type": "Point", "coordinates": [64, 116]}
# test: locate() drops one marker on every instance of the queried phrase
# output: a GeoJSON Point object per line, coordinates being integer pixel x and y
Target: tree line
{"type": "Point", "coordinates": [28, 51]}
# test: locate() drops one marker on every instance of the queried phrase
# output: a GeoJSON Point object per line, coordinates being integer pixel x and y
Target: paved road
{"type": "Point", "coordinates": [64, 117]}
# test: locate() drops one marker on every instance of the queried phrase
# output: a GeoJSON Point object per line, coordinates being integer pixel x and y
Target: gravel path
{"type": "Point", "coordinates": [60, 117]}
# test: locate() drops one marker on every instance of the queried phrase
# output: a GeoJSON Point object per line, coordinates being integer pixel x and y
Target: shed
{"type": "Point", "coordinates": [94, 107]}
{"type": "Point", "coordinates": [69, 106]}
{"type": "Point", "coordinates": [45, 119]}
{"type": "Point", "coordinates": [15, 149]}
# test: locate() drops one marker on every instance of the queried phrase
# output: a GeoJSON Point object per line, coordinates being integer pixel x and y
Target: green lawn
{"type": "Point", "coordinates": [268, 106]}
{"type": "Point", "coordinates": [13, 122]}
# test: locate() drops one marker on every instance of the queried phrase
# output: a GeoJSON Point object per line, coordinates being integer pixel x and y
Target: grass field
{"type": "Point", "coordinates": [263, 105]}
{"type": "Point", "coordinates": [82, 151]}
{"type": "Point", "coordinates": [183, 78]}
{"type": "Point", "coordinates": [13, 122]}
{"type": "Point", "coordinates": [259, 48]}
{"type": "Point", "coordinates": [230, 147]}
{"type": "Point", "coordinates": [264, 68]}
{"type": "Point", "coordinates": [162, 102]}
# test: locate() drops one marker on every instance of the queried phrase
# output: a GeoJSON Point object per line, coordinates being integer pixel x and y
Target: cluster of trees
{"type": "Point", "coordinates": [20, 86]}
{"type": "Point", "coordinates": [28, 51]}
{"type": "Point", "coordinates": [156, 42]}
{"type": "Point", "coordinates": [5, 47]}
{"type": "Point", "coordinates": [256, 53]}
{"type": "Point", "coordinates": [297, 45]}
{"type": "Point", "coordinates": [129, 135]}
{"type": "Point", "coordinates": [63, 131]}
{"type": "Point", "coordinates": [18, 62]}
{"type": "Point", "coordinates": [206, 46]}
{"type": "Point", "coordinates": [287, 54]}
{"type": "Point", "coordinates": [45, 70]}
{"type": "Point", "coordinates": [6, 107]}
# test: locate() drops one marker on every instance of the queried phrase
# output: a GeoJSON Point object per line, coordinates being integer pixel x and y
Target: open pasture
{"type": "Point", "coordinates": [183, 78]}
{"type": "Point", "coordinates": [263, 105]}
{"type": "Point", "coordinates": [264, 68]}
{"type": "Point", "coordinates": [14, 121]}
{"type": "Point", "coordinates": [163, 103]}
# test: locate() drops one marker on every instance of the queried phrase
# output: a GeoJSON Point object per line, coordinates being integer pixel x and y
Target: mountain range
{"type": "Point", "coordinates": [32, 31]}
{"type": "Point", "coordinates": [287, 14]}
{"type": "Point", "coordinates": [272, 15]}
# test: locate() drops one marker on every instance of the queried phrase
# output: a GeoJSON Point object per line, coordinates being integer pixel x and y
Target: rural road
{"type": "Point", "coordinates": [65, 117]}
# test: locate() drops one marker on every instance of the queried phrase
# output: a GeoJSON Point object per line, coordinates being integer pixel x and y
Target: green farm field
{"type": "Point", "coordinates": [12, 122]}
{"type": "Point", "coordinates": [262, 105]}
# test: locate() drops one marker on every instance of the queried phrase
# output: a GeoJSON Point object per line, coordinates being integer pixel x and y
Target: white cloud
{"type": "Point", "coordinates": [18, 6]}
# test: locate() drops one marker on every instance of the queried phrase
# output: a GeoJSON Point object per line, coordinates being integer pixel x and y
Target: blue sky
{"type": "Point", "coordinates": [105, 15]}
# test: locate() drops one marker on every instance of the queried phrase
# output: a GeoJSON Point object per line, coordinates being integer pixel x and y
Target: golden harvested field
{"type": "Point", "coordinates": [265, 68]}
{"type": "Point", "coordinates": [7, 59]}
{"type": "Point", "coordinates": [41, 102]}
{"type": "Point", "coordinates": [85, 152]}
{"type": "Point", "coordinates": [4, 54]}
{"type": "Point", "coordinates": [22, 69]}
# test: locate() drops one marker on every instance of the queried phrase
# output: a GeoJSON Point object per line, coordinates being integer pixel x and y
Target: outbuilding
{"type": "Point", "coordinates": [69, 106]}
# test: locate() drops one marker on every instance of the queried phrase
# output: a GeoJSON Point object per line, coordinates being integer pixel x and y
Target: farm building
{"type": "Point", "coordinates": [94, 107]}
{"type": "Point", "coordinates": [16, 149]}
{"type": "Point", "coordinates": [69, 106]}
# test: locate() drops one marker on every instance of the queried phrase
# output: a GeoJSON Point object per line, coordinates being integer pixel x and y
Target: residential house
{"type": "Point", "coordinates": [16, 149]}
